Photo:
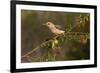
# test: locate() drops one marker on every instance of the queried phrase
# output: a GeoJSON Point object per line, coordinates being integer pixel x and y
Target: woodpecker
{"type": "Point", "coordinates": [54, 29]}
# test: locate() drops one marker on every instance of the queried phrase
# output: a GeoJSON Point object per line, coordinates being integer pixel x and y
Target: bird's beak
{"type": "Point", "coordinates": [43, 24]}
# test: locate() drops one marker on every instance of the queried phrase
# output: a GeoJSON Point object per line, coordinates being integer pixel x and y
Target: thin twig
{"type": "Point", "coordinates": [39, 47]}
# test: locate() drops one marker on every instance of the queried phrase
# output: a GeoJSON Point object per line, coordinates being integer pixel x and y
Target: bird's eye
{"type": "Point", "coordinates": [47, 23]}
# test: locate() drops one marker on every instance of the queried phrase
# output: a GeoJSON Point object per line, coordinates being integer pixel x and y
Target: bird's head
{"type": "Point", "coordinates": [49, 24]}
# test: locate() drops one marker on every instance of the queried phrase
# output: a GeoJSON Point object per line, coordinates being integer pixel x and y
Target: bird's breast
{"type": "Point", "coordinates": [57, 31]}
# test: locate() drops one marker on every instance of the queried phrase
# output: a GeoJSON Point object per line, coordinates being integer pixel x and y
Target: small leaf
{"type": "Point", "coordinates": [53, 44]}
{"type": "Point", "coordinates": [56, 41]}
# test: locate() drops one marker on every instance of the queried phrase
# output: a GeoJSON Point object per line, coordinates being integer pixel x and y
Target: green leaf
{"type": "Point", "coordinates": [56, 41]}
{"type": "Point", "coordinates": [53, 44]}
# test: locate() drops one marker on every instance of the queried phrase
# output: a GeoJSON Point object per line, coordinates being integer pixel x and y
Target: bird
{"type": "Point", "coordinates": [56, 31]}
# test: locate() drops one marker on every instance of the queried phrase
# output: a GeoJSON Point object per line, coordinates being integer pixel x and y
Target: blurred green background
{"type": "Point", "coordinates": [33, 33]}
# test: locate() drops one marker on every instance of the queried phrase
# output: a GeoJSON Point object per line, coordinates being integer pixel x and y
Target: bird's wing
{"type": "Point", "coordinates": [58, 26]}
